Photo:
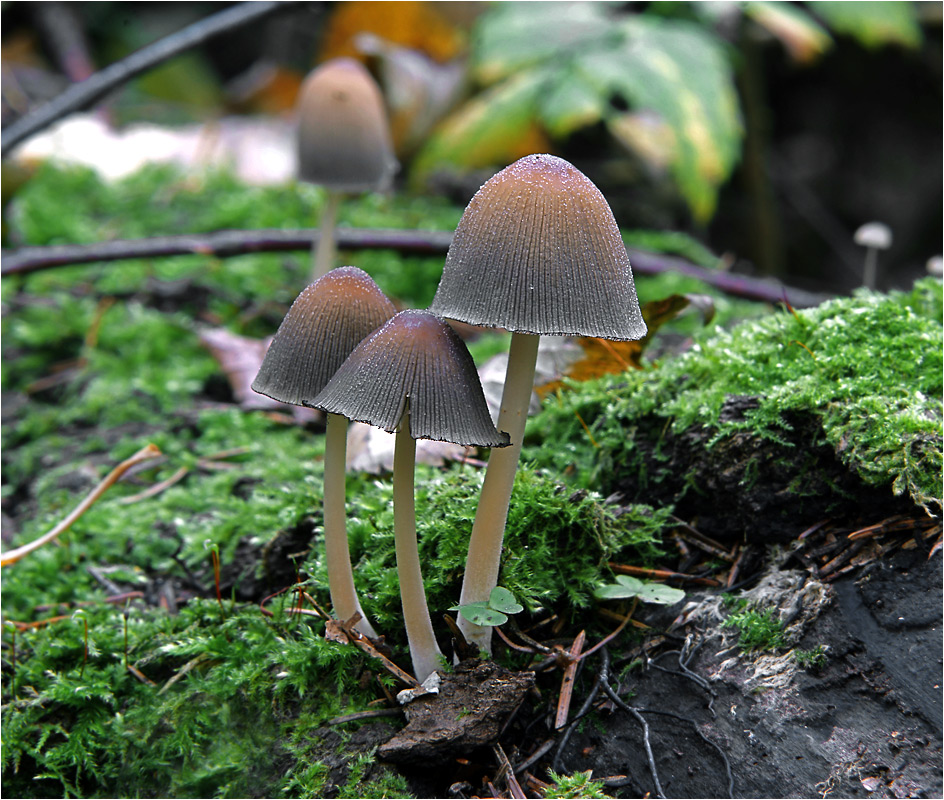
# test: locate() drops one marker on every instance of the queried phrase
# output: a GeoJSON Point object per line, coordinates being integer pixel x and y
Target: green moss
{"type": "Point", "coordinates": [868, 368]}
{"type": "Point", "coordinates": [758, 630]}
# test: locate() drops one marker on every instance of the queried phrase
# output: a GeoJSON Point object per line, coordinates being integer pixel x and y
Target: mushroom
{"type": "Point", "coordinates": [416, 377]}
{"type": "Point", "coordinates": [325, 323]}
{"type": "Point", "coordinates": [538, 252]}
{"type": "Point", "coordinates": [344, 141]}
{"type": "Point", "coordinates": [873, 236]}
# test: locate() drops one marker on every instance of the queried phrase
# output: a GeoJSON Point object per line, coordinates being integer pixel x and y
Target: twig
{"type": "Point", "coordinates": [567, 684]}
{"type": "Point", "coordinates": [359, 715]}
{"type": "Point", "coordinates": [88, 92]}
{"type": "Point", "coordinates": [557, 764]}
{"type": "Point", "coordinates": [144, 454]}
{"type": "Point", "coordinates": [646, 572]}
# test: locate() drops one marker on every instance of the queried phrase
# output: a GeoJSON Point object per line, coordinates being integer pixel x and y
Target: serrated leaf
{"type": "Point", "coordinates": [480, 614]}
{"type": "Point", "coordinates": [873, 24]}
{"type": "Point", "coordinates": [504, 601]}
{"type": "Point", "coordinates": [679, 71]}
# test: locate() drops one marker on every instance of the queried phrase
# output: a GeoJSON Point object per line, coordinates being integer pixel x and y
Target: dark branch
{"type": "Point", "coordinates": [225, 244]}
{"type": "Point", "coordinates": [88, 92]}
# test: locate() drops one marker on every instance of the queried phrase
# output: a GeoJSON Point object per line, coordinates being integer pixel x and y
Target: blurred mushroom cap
{"type": "Point", "coordinates": [415, 358]}
{"type": "Point", "coordinates": [343, 134]}
{"type": "Point", "coordinates": [874, 234]}
{"type": "Point", "coordinates": [325, 323]}
{"type": "Point", "coordinates": [538, 251]}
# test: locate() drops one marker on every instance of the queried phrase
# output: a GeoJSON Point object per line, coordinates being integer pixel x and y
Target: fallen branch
{"type": "Point", "coordinates": [226, 244]}
{"type": "Point", "coordinates": [144, 454]}
{"type": "Point", "coordinates": [83, 95]}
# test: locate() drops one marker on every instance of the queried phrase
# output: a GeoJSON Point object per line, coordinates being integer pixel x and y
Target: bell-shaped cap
{"type": "Point", "coordinates": [343, 133]}
{"type": "Point", "coordinates": [325, 323]}
{"type": "Point", "coordinates": [538, 251]}
{"type": "Point", "coordinates": [414, 358]}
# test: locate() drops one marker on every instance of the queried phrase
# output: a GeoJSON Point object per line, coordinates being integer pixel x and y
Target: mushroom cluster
{"type": "Point", "coordinates": [537, 252]}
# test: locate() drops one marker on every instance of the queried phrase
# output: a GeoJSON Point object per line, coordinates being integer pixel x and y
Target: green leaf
{"type": "Point", "coordinates": [803, 37]}
{"type": "Point", "coordinates": [503, 601]}
{"type": "Point", "coordinates": [679, 71]}
{"type": "Point", "coordinates": [873, 24]}
{"type": "Point", "coordinates": [479, 133]}
{"type": "Point", "coordinates": [510, 39]}
{"type": "Point", "coordinates": [660, 593]}
{"type": "Point", "coordinates": [480, 614]}
{"type": "Point", "coordinates": [572, 102]}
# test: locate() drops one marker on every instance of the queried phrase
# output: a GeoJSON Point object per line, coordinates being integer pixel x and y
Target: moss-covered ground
{"type": "Point", "coordinates": [231, 701]}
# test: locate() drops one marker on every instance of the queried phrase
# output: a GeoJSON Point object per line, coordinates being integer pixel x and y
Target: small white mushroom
{"type": "Point", "coordinates": [935, 266]}
{"type": "Point", "coordinates": [873, 236]}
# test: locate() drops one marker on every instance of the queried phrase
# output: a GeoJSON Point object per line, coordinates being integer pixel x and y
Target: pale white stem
{"type": "Point", "coordinates": [424, 650]}
{"type": "Point", "coordinates": [488, 530]}
{"type": "Point", "coordinates": [324, 249]}
{"type": "Point", "coordinates": [337, 553]}
{"type": "Point", "coordinates": [870, 271]}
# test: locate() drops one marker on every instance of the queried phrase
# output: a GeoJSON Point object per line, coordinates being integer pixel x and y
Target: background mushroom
{"type": "Point", "coordinates": [537, 251]}
{"type": "Point", "coordinates": [873, 236]}
{"type": "Point", "coordinates": [344, 141]}
{"type": "Point", "coordinates": [416, 377]}
{"type": "Point", "coordinates": [325, 323]}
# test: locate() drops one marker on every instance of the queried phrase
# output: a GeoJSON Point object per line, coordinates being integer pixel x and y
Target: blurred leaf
{"type": "Point", "coordinates": [480, 614]}
{"type": "Point", "coordinates": [515, 36]}
{"type": "Point", "coordinates": [497, 126]}
{"type": "Point", "coordinates": [804, 38]}
{"type": "Point", "coordinates": [603, 357]}
{"type": "Point", "coordinates": [627, 587]}
{"type": "Point", "coordinates": [570, 103]}
{"type": "Point", "coordinates": [873, 24]}
{"type": "Point", "coordinates": [417, 25]}
{"type": "Point", "coordinates": [679, 71]}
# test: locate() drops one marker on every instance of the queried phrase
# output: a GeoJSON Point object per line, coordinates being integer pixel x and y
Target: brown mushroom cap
{"type": "Point", "coordinates": [325, 323]}
{"type": "Point", "coordinates": [417, 358]}
{"type": "Point", "coordinates": [538, 251]}
{"type": "Point", "coordinates": [343, 133]}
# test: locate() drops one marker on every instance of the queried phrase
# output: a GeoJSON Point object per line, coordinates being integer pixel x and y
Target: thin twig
{"type": "Point", "coordinates": [567, 683]}
{"type": "Point", "coordinates": [359, 715]}
{"type": "Point", "coordinates": [144, 454]}
{"type": "Point", "coordinates": [83, 95]}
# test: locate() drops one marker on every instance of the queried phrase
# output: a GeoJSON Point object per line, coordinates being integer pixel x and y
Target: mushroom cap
{"type": "Point", "coordinates": [538, 251]}
{"type": "Point", "coordinates": [343, 133]}
{"type": "Point", "coordinates": [325, 323]}
{"type": "Point", "coordinates": [415, 358]}
{"type": "Point", "coordinates": [874, 234]}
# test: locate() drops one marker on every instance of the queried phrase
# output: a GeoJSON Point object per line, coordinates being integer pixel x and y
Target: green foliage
{"type": "Point", "coordinates": [580, 784]}
{"type": "Point", "coordinates": [627, 587]}
{"type": "Point", "coordinates": [565, 77]}
{"type": "Point", "coordinates": [868, 368]}
{"type": "Point", "coordinates": [811, 659]}
{"type": "Point", "coordinates": [758, 631]}
{"type": "Point", "coordinates": [875, 23]}
{"type": "Point", "coordinates": [493, 611]}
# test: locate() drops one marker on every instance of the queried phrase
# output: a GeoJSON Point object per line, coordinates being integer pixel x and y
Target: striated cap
{"type": "Point", "coordinates": [325, 323]}
{"type": "Point", "coordinates": [417, 358]}
{"type": "Point", "coordinates": [538, 251]}
{"type": "Point", "coordinates": [343, 133]}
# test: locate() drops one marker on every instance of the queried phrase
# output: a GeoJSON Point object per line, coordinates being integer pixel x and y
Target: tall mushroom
{"type": "Point", "coordinates": [537, 252]}
{"type": "Point", "coordinates": [325, 323]}
{"type": "Point", "coordinates": [416, 377]}
{"type": "Point", "coordinates": [344, 141]}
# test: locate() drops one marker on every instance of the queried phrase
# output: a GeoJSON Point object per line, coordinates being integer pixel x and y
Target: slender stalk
{"type": "Point", "coordinates": [338, 554]}
{"type": "Point", "coordinates": [488, 530]}
{"type": "Point", "coordinates": [870, 271]}
{"type": "Point", "coordinates": [325, 250]}
{"type": "Point", "coordinates": [424, 650]}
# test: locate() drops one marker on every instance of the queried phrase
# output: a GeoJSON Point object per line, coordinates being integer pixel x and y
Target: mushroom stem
{"type": "Point", "coordinates": [485, 543]}
{"type": "Point", "coordinates": [870, 270]}
{"type": "Point", "coordinates": [337, 553]}
{"type": "Point", "coordinates": [324, 249]}
{"type": "Point", "coordinates": [424, 650]}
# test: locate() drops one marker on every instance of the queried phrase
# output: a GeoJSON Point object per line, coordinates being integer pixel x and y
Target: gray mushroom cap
{"type": "Point", "coordinates": [538, 251]}
{"type": "Point", "coordinates": [343, 134]}
{"type": "Point", "coordinates": [416, 358]}
{"type": "Point", "coordinates": [325, 323]}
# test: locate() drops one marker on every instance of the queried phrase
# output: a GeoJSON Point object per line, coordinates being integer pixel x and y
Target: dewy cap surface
{"type": "Point", "coordinates": [343, 133]}
{"type": "Point", "coordinates": [325, 323]}
{"type": "Point", "coordinates": [417, 358]}
{"type": "Point", "coordinates": [539, 251]}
